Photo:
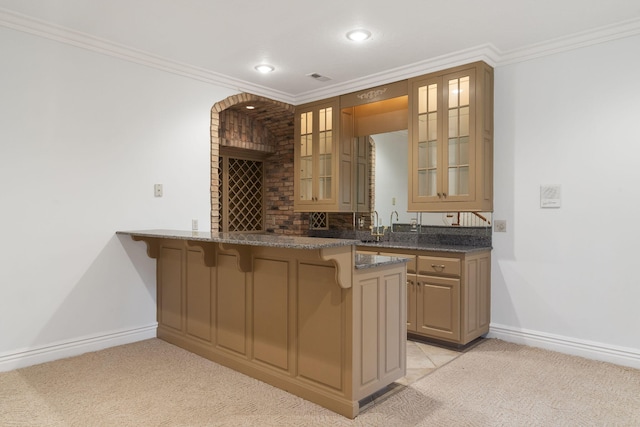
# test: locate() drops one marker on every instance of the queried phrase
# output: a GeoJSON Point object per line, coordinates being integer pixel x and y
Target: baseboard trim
{"type": "Point", "coordinates": [588, 349]}
{"type": "Point", "coordinates": [64, 349]}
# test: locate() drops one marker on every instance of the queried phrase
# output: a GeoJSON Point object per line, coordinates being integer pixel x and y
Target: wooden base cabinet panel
{"type": "Point", "coordinates": [320, 325]}
{"type": "Point", "coordinates": [198, 297]}
{"type": "Point", "coordinates": [231, 314]}
{"type": "Point", "coordinates": [291, 318]}
{"type": "Point", "coordinates": [270, 301]}
{"type": "Point", "coordinates": [448, 294]}
{"type": "Point", "coordinates": [379, 324]}
{"type": "Point", "coordinates": [438, 307]}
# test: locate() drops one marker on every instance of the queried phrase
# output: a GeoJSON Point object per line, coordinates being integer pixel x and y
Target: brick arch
{"type": "Point", "coordinates": [274, 116]}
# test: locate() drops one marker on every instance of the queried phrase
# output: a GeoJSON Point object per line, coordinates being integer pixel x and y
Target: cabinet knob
{"type": "Point", "coordinates": [438, 267]}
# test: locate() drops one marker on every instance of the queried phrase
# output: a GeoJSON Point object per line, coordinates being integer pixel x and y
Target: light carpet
{"type": "Point", "coordinates": [153, 383]}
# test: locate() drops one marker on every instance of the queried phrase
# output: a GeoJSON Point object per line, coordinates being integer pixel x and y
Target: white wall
{"type": "Point", "coordinates": [565, 278]}
{"type": "Point", "coordinates": [83, 139]}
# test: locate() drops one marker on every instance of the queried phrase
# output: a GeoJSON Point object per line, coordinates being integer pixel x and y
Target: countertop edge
{"type": "Point", "coordinates": [266, 240]}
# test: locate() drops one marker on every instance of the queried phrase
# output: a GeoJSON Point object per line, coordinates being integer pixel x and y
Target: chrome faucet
{"type": "Point", "coordinates": [375, 229]}
{"type": "Point", "coordinates": [391, 220]}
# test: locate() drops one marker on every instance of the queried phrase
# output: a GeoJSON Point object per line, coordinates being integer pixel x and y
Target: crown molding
{"type": "Point", "coordinates": [487, 52]}
{"type": "Point", "coordinates": [619, 30]}
{"type": "Point", "coordinates": [30, 25]}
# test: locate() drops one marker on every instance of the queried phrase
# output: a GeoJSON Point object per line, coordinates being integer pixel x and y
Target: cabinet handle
{"type": "Point", "coordinates": [437, 267]}
{"type": "Point", "coordinates": [444, 195]}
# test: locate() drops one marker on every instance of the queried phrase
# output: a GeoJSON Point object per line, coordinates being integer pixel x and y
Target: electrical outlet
{"type": "Point", "coordinates": [194, 225]}
{"type": "Point", "coordinates": [157, 190]}
{"type": "Point", "coordinates": [500, 225]}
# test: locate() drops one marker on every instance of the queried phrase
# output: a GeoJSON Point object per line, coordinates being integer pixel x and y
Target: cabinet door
{"type": "Point", "coordinates": [458, 150]}
{"type": "Point", "coordinates": [438, 307]}
{"type": "Point", "coordinates": [425, 100]}
{"type": "Point", "coordinates": [316, 157]}
{"type": "Point", "coordinates": [451, 140]}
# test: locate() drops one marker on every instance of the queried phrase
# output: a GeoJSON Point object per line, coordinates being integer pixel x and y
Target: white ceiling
{"type": "Point", "coordinates": [222, 41]}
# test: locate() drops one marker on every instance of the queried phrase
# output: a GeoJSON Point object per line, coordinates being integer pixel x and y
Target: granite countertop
{"type": "Point", "coordinates": [268, 240]}
{"type": "Point", "coordinates": [371, 261]}
{"type": "Point", "coordinates": [424, 246]}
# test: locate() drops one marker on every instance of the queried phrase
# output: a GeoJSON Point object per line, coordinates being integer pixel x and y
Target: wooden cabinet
{"type": "Point", "coordinates": [451, 140]}
{"type": "Point", "coordinates": [438, 303]}
{"type": "Point", "coordinates": [323, 163]}
{"type": "Point", "coordinates": [304, 320]}
{"type": "Point", "coordinates": [448, 294]}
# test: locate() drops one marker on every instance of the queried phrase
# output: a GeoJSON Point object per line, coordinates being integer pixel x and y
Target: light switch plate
{"type": "Point", "coordinates": [550, 196]}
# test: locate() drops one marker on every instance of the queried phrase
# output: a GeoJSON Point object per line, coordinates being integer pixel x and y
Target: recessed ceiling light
{"type": "Point", "coordinates": [358, 35]}
{"type": "Point", "coordinates": [265, 68]}
{"type": "Point", "coordinates": [250, 107]}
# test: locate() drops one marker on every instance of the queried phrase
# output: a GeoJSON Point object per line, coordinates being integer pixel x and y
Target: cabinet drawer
{"type": "Point", "coordinates": [411, 264]}
{"type": "Point", "coordinates": [438, 265]}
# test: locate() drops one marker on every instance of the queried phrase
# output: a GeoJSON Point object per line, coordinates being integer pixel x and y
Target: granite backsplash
{"type": "Point", "coordinates": [440, 235]}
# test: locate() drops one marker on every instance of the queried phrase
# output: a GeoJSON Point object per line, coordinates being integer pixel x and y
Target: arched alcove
{"type": "Point", "coordinates": [264, 129]}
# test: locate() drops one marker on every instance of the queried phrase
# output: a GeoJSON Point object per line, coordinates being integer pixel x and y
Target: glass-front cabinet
{"type": "Point", "coordinates": [317, 158]}
{"type": "Point", "coordinates": [451, 140]}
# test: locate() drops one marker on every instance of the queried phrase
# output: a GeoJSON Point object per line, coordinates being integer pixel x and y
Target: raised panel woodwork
{"type": "Point", "coordinates": [198, 296]}
{"type": "Point", "coordinates": [285, 317]}
{"type": "Point", "coordinates": [471, 297]}
{"type": "Point", "coordinates": [379, 330]}
{"type": "Point", "coordinates": [438, 309]}
{"type": "Point", "coordinates": [369, 309]}
{"type": "Point", "coordinates": [477, 296]}
{"type": "Point", "coordinates": [484, 293]}
{"type": "Point", "coordinates": [230, 304]}
{"type": "Point", "coordinates": [270, 312]}
{"type": "Point", "coordinates": [412, 282]}
{"type": "Point", "coordinates": [320, 325]}
{"type": "Point", "coordinates": [428, 265]}
{"type": "Point", "coordinates": [392, 320]}
{"type": "Point", "coordinates": [170, 288]}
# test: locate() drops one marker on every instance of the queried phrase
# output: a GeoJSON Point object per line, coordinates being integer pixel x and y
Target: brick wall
{"type": "Point", "coordinates": [266, 129]}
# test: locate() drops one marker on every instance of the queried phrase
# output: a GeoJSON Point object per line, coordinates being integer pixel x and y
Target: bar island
{"type": "Point", "coordinates": [307, 315]}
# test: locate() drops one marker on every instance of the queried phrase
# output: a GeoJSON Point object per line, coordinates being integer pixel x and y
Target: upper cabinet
{"type": "Point", "coordinates": [323, 166]}
{"type": "Point", "coordinates": [451, 140]}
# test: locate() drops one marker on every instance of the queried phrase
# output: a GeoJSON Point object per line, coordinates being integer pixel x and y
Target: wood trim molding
{"type": "Point", "coordinates": [343, 262]}
{"type": "Point", "coordinates": [208, 251]}
{"type": "Point", "coordinates": [153, 245]}
{"type": "Point", "coordinates": [243, 255]}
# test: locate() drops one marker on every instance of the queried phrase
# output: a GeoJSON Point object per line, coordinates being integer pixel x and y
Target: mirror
{"type": "Point", "coordinates": [390, 178]}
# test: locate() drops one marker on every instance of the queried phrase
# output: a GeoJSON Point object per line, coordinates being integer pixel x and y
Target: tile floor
{"type": "Point", "coordinates": [422, 359]}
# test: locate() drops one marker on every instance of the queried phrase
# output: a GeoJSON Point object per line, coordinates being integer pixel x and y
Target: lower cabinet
{"type": "Point", "coordinates": [448, 293]}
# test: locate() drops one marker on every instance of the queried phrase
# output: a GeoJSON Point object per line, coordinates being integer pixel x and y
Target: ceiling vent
{"type": "Point", "coordinates": [319, 77]}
